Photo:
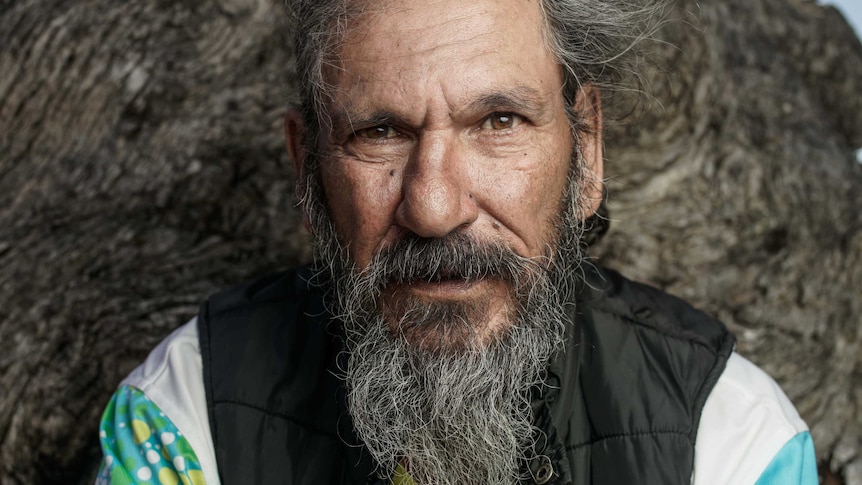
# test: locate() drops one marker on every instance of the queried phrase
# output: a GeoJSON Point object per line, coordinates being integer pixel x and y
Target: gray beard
{"type": "Point", "coordinates": [455, 409]}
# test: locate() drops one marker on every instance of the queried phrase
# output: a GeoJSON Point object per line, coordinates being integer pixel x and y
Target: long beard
{"type": "Point", "coordinates": [434, 395]}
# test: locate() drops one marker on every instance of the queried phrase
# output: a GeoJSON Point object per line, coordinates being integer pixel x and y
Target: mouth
{"type": "Point", "coordinates": [447, 313]}
{"type": "Point", "coordinates": [439, 286]}
{"type": "Point", "coordinates": [453, 269]}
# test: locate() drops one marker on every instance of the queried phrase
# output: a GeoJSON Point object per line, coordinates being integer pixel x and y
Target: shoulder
{"type": "Point", "coordinates": [253, 334]}
{"type": "Point", "coordinates": [172, 378]}
{"type": "Point", "coordinates": [176, 358]}
{"type": "Point", "coordinates": [237, 325]}
{"type": "Point", "coordinates": [289, 287]}
{"type": "Point", "coordinates": [747, 424]}
{"type": "Point", "coordinates": [646, 307]}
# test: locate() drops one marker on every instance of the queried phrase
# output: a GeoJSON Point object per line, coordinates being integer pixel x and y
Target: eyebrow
{"type": "Point", "coordinates": [522, 99]}
{"type": "Point", "coordinates": [344, 119]}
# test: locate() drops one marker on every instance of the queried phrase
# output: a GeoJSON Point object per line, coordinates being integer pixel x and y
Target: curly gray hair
{"type": "Point", "coordinates": [594, 40]}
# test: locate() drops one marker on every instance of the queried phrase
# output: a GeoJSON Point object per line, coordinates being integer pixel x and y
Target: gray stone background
{"type": "Point", "coordinates": [142, 168]}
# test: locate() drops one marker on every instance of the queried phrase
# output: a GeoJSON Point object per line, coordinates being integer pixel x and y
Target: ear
{"type": "Point", "coordinates": [294, 137]}
{"type": "Point", "coordinates": [588, 107]}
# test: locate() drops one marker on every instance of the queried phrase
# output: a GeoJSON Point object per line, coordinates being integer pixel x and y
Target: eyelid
{"type": "Point", "coordinates": [517, 119]}
{"type": "Point", "coordinates": [392, 132]}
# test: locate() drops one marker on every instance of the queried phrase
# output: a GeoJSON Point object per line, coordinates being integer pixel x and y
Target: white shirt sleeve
{"type": "Point", "coordinates": [746, 421]}
{"type": "Point", "coordinates": [172, 378]}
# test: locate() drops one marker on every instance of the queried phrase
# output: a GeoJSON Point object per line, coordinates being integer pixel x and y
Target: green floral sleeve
{"type": "Point", "coordinates": [142, 446]}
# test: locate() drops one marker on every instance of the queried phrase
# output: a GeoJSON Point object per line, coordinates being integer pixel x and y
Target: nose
{"type": "Point", "coordinates": [436, 196]}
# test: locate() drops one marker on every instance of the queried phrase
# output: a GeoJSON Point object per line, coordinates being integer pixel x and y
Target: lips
{"type": "Point", "coordinates": [448, 289]}
{"type": "Point", "coordinates": [444, 276]}
{"type": "Point", "coordinates": [441, 285]}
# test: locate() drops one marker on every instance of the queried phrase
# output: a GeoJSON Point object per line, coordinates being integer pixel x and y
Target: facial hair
{"type": "Point", "coordinates": [451, 407]}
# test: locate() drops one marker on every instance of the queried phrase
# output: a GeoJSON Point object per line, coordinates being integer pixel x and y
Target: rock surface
{"type": "Point", "coordinates": [142, 168]}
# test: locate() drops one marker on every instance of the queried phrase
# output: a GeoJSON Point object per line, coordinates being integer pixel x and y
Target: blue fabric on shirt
{"type": "Point", "coordinates": [795, 464]}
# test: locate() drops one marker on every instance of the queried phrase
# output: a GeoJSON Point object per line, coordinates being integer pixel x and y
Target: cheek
{"type": "Point", "coordinates": [546, 193]}
{"type": "Point", "coordinates": [551, 178]}
{"type": "Point", "coordinates": [361, 204]}
{"type": "Point", "coordinates": [527, 197]}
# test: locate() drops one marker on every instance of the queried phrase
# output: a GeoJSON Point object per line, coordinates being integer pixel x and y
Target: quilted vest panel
{"type": "Point", "coordinates": [622, 405]}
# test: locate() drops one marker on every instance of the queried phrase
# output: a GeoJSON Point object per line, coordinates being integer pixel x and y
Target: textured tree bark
{"type": "Point", "coordinates": [142, 167]}
{"type": "Point", "coordinates": [739, 191]}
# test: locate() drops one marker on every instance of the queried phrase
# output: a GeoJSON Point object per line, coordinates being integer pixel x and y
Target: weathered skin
{"type": "Point", "coordinates": [473, 138]}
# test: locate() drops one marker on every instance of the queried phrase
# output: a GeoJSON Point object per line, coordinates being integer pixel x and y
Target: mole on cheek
{"type": "Point", "coordinates": [496, 225]}
{"type": "Point", "coordinates": [392, 173]}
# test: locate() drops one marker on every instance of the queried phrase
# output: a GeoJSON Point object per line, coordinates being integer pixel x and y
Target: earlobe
{"type": "Point", "coordinates": [588, 107]}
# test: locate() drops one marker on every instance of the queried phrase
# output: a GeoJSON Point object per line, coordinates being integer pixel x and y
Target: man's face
{"type": "Point", "coordinates": [447, 117]}
{"type": "Point", "coordinates": [445, 201]}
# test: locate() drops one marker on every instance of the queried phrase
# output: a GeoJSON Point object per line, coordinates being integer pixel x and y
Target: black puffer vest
{"type": "Point", "coordinates": [622, 405]}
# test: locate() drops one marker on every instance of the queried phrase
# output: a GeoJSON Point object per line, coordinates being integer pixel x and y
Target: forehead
{"type": "Point", "coordinates": [520, 21]}
{"type": "Point", "coordinates": [458, 48]}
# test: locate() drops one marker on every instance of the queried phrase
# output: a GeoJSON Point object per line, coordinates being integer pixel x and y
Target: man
{"type": "Point", "coordinates": [448, 154]}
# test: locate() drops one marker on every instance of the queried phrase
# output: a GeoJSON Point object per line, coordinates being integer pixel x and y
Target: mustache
{"type": "Point", "coordinates": [456, 256]}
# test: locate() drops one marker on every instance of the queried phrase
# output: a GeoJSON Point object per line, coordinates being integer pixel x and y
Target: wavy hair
{"type": "Point", "coordinates": [598, 42]}
{"type": "Point", "coordinates": [595, 41]}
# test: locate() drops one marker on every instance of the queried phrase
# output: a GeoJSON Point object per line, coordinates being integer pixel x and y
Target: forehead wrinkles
{"type": "Point", "coordinates": [373, 32]}
{"type": "Point", "coordinates": [377, 35]}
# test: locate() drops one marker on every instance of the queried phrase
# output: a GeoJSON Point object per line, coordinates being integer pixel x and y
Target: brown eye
{"type": "Point", "coordinates": [501, 121]}
{"type": "Point", "coordinates": [377, 132]}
